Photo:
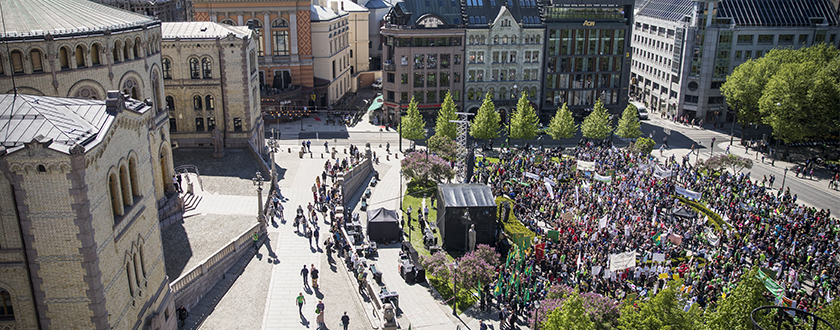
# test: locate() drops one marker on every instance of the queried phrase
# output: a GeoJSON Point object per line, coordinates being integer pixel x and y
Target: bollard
{"type": "Point", "coordinates": [290, 150]}
{"type": "Point", "coordinates": [387, 157]}
{"type": "Point", "coordinates": [396, 155]}
{"type": "Point", "coordinates": [322, 155]}
{"type": "Point", "coordinates": [345, 151]}
{"type": "Point", "coordinates": [310, 155]}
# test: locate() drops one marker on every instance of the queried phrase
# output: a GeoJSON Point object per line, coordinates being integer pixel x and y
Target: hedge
{"type": "Point", "coordinates": [514, 229]}
{"type": "Point", "coordinates": [714, 218]}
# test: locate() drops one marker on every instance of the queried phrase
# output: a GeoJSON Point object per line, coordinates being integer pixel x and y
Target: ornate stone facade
{"type": "Point", "coordinates": [211, 82]}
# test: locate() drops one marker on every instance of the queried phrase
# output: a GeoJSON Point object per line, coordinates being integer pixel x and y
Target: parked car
{"type": "Point", "coordinates": [377, 84]}
{"type": "Point", "coordinates": [643, 114]}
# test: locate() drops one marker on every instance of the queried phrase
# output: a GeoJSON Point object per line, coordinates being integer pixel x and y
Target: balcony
{"type": "Point", "coordinates": [389, 67]}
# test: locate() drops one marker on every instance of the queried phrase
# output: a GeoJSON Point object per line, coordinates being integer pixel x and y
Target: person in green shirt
{"type": "Point", "coordinates": [300, 302]}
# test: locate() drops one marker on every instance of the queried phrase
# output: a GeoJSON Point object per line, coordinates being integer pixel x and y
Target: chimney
{"type": "Point", "coordinates": [115, 102]}
{"type": "Point", "coordinates": [334, 6]}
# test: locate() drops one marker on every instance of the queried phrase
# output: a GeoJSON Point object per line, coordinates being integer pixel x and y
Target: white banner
{"type": "Point", "coordinates": [585, 166]}
{"type": "Point", "coordinates": [602, 178]}
{"type": "Point", "coordinates": [549, 181]}
{"type": "Point", "coordinates": [577, 195]}
{"type": "Point", "coordinates": [658, 257]}
{"type": "Point", "coordinates": [621, 261]}
{"type": "Point", "coordinates": [688, 193]}
{"type": "Point", "coordinates": [550, 190]}
{"type": "Point", "coordinates": [713, 238]}
{"type": "Point", "coordinates": [532, 176]}
{"type": "Point", "coordinates": [596, 270]}
{"type": "Point", "coordinates": [603, 222]}
{"type": "Point", "coordinates": [661, 173]}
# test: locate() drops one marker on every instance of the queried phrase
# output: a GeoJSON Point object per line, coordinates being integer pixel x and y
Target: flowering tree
{"type": "Point", "coordinates": [424, 167]}
{"type": "Point", "coordinates": [442, 145]}
{"type": "Point", "coordinates": [601, 311]}
{"type": "Point", "coordinates": [437, 266]}
{"type": "Point", "coordinates": [477, 267]}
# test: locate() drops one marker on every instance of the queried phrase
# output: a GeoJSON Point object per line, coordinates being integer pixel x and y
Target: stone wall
{"type": "Point", "coordinates": [356, 178]}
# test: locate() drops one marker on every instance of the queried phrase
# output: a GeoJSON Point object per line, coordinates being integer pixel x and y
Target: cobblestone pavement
{"type": "Point", "coordinates": [187, 243]}
{"type": "Point", "coordinates": [229, 175]}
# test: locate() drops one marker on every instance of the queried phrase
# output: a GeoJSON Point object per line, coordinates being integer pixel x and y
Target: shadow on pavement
{"type": "Point", "coordinates": [175, 238]}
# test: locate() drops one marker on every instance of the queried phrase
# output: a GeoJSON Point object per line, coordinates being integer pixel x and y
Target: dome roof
{"type": "Point", "coordinates": [35, 18]}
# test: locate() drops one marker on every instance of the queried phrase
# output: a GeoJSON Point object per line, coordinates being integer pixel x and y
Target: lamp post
{"type": "Point", "coordinates": [510, 113]}
{"type": "Point", "coordinates": [455, 288]}
{"type": "Point", "coordinates": [272, 145]}
{"type": "Point", "coordinates": [536, 314]}
{"type": "Point", "coordinates": [712, 147]}
{"type": "Point", "coordinates": [783, 180]}
{"type": "Point", "coordinates": [732, 129]}
{"type": "Point", "coordinates": [258, 181]}
{"type": "Point", "coordinates": [399, 122]}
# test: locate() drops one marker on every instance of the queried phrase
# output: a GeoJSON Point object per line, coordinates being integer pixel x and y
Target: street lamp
{"type": "Point", "coordinates": [732, 129]}
{"type": "Point", "coordinates": [272, 145]}
{"type": "Point", "coordinates": [455, 288]}
{"type": "Point", "coordinates": [399, 122]}
{"type": "Point", "coordinates": [783, 180]}
{"type": "Point", "coordinates": [712, 147]}
{"type": "Point", "coordinates": [515, 89]}
{"type": "Point", "coordinates": [536, 314]}
{"type": "Point", "coordinates": [258, 181]}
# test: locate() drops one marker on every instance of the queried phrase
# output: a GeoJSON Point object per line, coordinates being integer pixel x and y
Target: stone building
{"type": "Point", "coordinates": [78, 192]}
{"type": "Point", "coordinates": [587, 55]}
{"type": "Point", "coordinates": [378, 9]}
{"type": "Point", "coordinates": [503, 53]}
{"type": "Point", "coordinates": [211, 82]}
{"type": "Point", "coordinates": [423, 57]}
{"type": "Point", "coordinates": [284, 48]}
{"type": "Point", "coordinates": [164, 10]}
{"type": "Point", "coordinates": [331, 31]}
{"type": "Point", "coordinates": [683, 50]}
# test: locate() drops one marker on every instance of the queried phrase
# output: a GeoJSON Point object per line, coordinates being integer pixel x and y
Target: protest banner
{"type": "Point", "coordinates": [619, 261]}
{"type": "Point", "coordinates": [688, 193]}
{"type": "Point", "coordinates": [659, 257]}
{"type": "Point", "coordinates": [661, 173]}
{"type": "Point", "coordinates": [550, 190]}
{"type": "Point", "coordinates": [602, 178]}
{"type": "Point", "coordinates": [532, 176]}
{"type": "Point", "coordinates": [585, 166]}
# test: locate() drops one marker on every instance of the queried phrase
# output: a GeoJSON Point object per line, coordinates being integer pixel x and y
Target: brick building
{"type": "Point", "coordinates": [78, 190]}
{"type": "Point", "coordinates": [211, 82]}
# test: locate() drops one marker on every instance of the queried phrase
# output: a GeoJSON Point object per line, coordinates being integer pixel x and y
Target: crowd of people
{"type": "Point", "coordinates": [627, 203]}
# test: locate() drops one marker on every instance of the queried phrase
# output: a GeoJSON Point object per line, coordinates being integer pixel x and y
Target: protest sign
{"type": "Point", "coordinates": [688, 193]}
{"type": "Point", "coordinates": [624, 260]}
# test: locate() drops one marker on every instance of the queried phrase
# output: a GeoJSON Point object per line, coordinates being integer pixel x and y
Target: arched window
{"type": "Point", "coordinates": [194, 69]}
{"type": "Point", "coordinates": [130, 88]}
{"type": "Point", "coordinates": [206, 68]}
{"type": "Point", "coordinates": [116, 52]}
{"type": "Point", "coordinates": [128, 276]}
{"type": "Point", "coordinates": [228, 22]}
{"type": "Point", "coordinates": [502, 93]}
{"type": "Point", "coordinates": [472, 40]}
{"type": "Point", "coordinates": [132, 173]}
{"type": "Point", "coordinates": [170, 103]}
{"type": "Point", "coordinates": [64, 58]}
{"type": "Point", "coordinates": [209, 104]}
{"type": "Point", "coordinates": [496, 39]}
{"type": "Point", "coordinates": [2, 66]}
{"type": "Point", "coordinates": [483, 40]}
{"type": "Point", "coordinates": [513, 39]}
{"type": "Point", "coordinates": [127, 50]}
{"type": "Point", "coordinates": [36, 57]}
{"type": "Point", "coordinates": [504, 40]}
{"type": "Point", "coordinates": [116, 199]}
{"type": "Point", "coordinates": [94, 54]}
{"type": "Point", "coordinates": [197, 103]}
{"type": "Point", "coordinates": [17, 61]}
{"type": "Point", "coordinates": [166, 63]}
{"type": "Point", "coordinates": [142, 261]}
{"type": "Point", "coordinates": [471, 94]}
{"type": "Point", "coordinates": [533, 93]}
{"type": "Point", "coordinates": [257, 26]}
{"type": "Point", "coordinates": [87, 93]}
{"type": "Point", "coordinates": [280, 23]}
{"type": "Point", "coordinates": [80, 57]}
{"type": "Point", "coordinates": [137, 44]}
{"type": "Point", "coordinates": [538, 38]}
{"type": "Point", "coordinates": [492, 93]}
{"type": "Point", "coordinates": [125, 187]}
{"type": "Point", "coordinates": [7, 312]}
{"type": "Point", "coordinates": [137, 276]}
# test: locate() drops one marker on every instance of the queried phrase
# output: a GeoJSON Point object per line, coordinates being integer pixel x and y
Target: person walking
{"type": "Point", "coordinates": [305, 273]}
{"type": "Point", "coordinates": [256, 241]}
{"type": "Point", "coordinates": [300, 302]}
{"type": "Point", "coordinates": [314, 272]}
{"type": "Point", "coordinates": [345, 321]}
{"type": "Point", "coordinates": [182, 315]}
{"type": "Point", "coordinates": [316, 233]}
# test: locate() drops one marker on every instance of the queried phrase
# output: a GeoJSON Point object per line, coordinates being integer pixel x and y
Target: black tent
{"type": "Point", "coordinates": [459, 207]}
{"type": "Point", "coordinates": [684, 212]}
{"type": "Point", "coordinates": [383, 225]}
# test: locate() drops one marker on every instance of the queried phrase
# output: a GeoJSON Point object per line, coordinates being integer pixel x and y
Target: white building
{"type": "Point", "coordinates": [682, 55]}
{"type": "Point", "coordinates": [331, 50]}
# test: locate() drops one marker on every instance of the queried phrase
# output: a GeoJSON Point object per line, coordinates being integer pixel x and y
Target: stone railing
{"type": "Point", "coordinates": [193, 285]}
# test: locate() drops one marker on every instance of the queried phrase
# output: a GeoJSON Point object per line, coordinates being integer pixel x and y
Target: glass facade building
{"type": "Point", "coordinates": [586, 56]}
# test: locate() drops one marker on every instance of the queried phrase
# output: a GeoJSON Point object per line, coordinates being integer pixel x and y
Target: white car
{"type": "Point", "coordinates": [377, 84]}
{"type": "Point", "coordinates": [643, 114]}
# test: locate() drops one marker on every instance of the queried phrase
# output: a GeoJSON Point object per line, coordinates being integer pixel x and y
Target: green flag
{"type": "Point", "coordinates": [657, 239]}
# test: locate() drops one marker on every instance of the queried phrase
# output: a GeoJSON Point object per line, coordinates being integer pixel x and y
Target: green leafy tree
{"type": "Point", "coordinates": [572, 316]}
{"type": "Point", "coordinates": [412, 124]}
{"type": "Point", "coordinates": [664, 311]}
{"type": "Point", "coordinates": [562, 125]}
{"type": "Point", "coordinates": [733, 312]}
{"type": "Point", "coordinates": [485, 125]}
{"type": "Point", "coordinates": [629, 126]}
{"type": "Point", "coordinates": [830, 312]}
{"type": "Point", "coordinates": [524, 124]}
{"type": "Point", "coordinates": [597, 124]}
{"type": "Point", "coordinates": [443, 146]}
{"type": "Point", "coordinates": [643, 145]}
{"type": "Point", "coordinates": [446, 113]}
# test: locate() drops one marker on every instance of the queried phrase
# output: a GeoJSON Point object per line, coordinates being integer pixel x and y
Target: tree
{"type": "Point", "coordinates": [571, 316]}
{"type": "Point", "coordinates": [830, 312]}
{"type": "Point", "coordinates": [629, 126]}
{"type": "Point", "coordinates": [663, 311]}
{"type": "Point", "coordinates": [597, 124]}
{"type": "Point", "coordinates": [446, 113]}
{"type": "Point", "coordinates": [443, 146]}
{"type": "Point", "coordinates": [477, 267]}
{"type": "Point", "coordinates": [423, 167]}
{"type": "Point", "coordinates": [485, 125]}
{"type": "Point", "coordinates": [733, 312]}
{"type": "Point", "coordinates": [737, 163]}
{"type": "Point", "coordinates": [562, 125]}
{"type": "Point", "coordinates": [524, 122]}
{"type": "Point", "coordinates": [643, 145]}
{"type": "Point", "coordinates": [412, 125]}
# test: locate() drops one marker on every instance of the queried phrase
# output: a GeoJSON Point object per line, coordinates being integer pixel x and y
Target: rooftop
{"type": "Point", "coordinates": [64, 121]}
{"type": "Point", "coordinates": [672, 10]}
{"type": "Point", "coordinates": [201, 30]}
{"type": "Point", "coordinates": [778, 12]}
{"type": "Point", "coordinates": [30, 18]}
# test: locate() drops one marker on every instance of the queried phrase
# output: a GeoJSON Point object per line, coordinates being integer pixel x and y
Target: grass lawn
{"type": "Point", "coordinates": [466, 298]}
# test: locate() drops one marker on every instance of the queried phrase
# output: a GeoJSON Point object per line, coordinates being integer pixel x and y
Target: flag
{"type": "Point", "coordinates": [657, 239]}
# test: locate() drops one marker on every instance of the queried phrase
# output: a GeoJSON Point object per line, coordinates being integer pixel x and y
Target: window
{"type": "Point", "coordinates": [94, 55]}
{"type": "Point", "coordinates": [166, 63]}
{"type": "Point", "coordinates": [209, 104]}
{"type": "Point", "coordinates": [257, 26]}
{"type": "Point", "coordinates": [280, 23]}
{"type": "Point", "coordinates": [431, 96]}
{"type": "Point", "coordinates": [691, 99]}
{"type": "Point", "coordinates": [35, 57]}
{"type": "Point", "coordinates": [403, 96]}
{"type": "Point", "coordinates": [170, 103]}
{"type": "Point", "coordinates": [765, 39]}
{"type": "Point", "coordinates": [456, 77]}
{"type": "Point", "coordinates": [457, 58]}
{"type": "Point", "coordinates": [194, 69]}
{"type": "Point", "coordinates": [137, 45]}
{"type": "Point", "coordinates": [17, 61]}
{"type": "Point", "coordinates": [237, 124]}
{"type": "Point", "coordinates": [197, 103]}
{"type": "Point", "coordinates": [444, 79]}
{"type": "Point", "coordinates": [7, 313]}
{"type": "Point", "coordinates": [116, 52]}
{"type": "Point", "coordinates": [431, 80]}
{"type": "Point", "coordinates": [206, 68]}
{"type": "Point", "coordinates": [63, 58]}
{"type": "Point", "coordinates": [444, 61]}
{"type": "Point", "coordinates": [418, 96]}
{"type": "Point", "coordinates": [281, 43]}
{"type": "Point", "coordinates": [418, 79]}
{"type": "Point", "coordinates": [472, 57]}
{"type": "Point", "coordinates": [404, 78]}
{"type": "Point", "coordinates": [786, 39]}
{"type": "Point", "coordinates": [116, 198]}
